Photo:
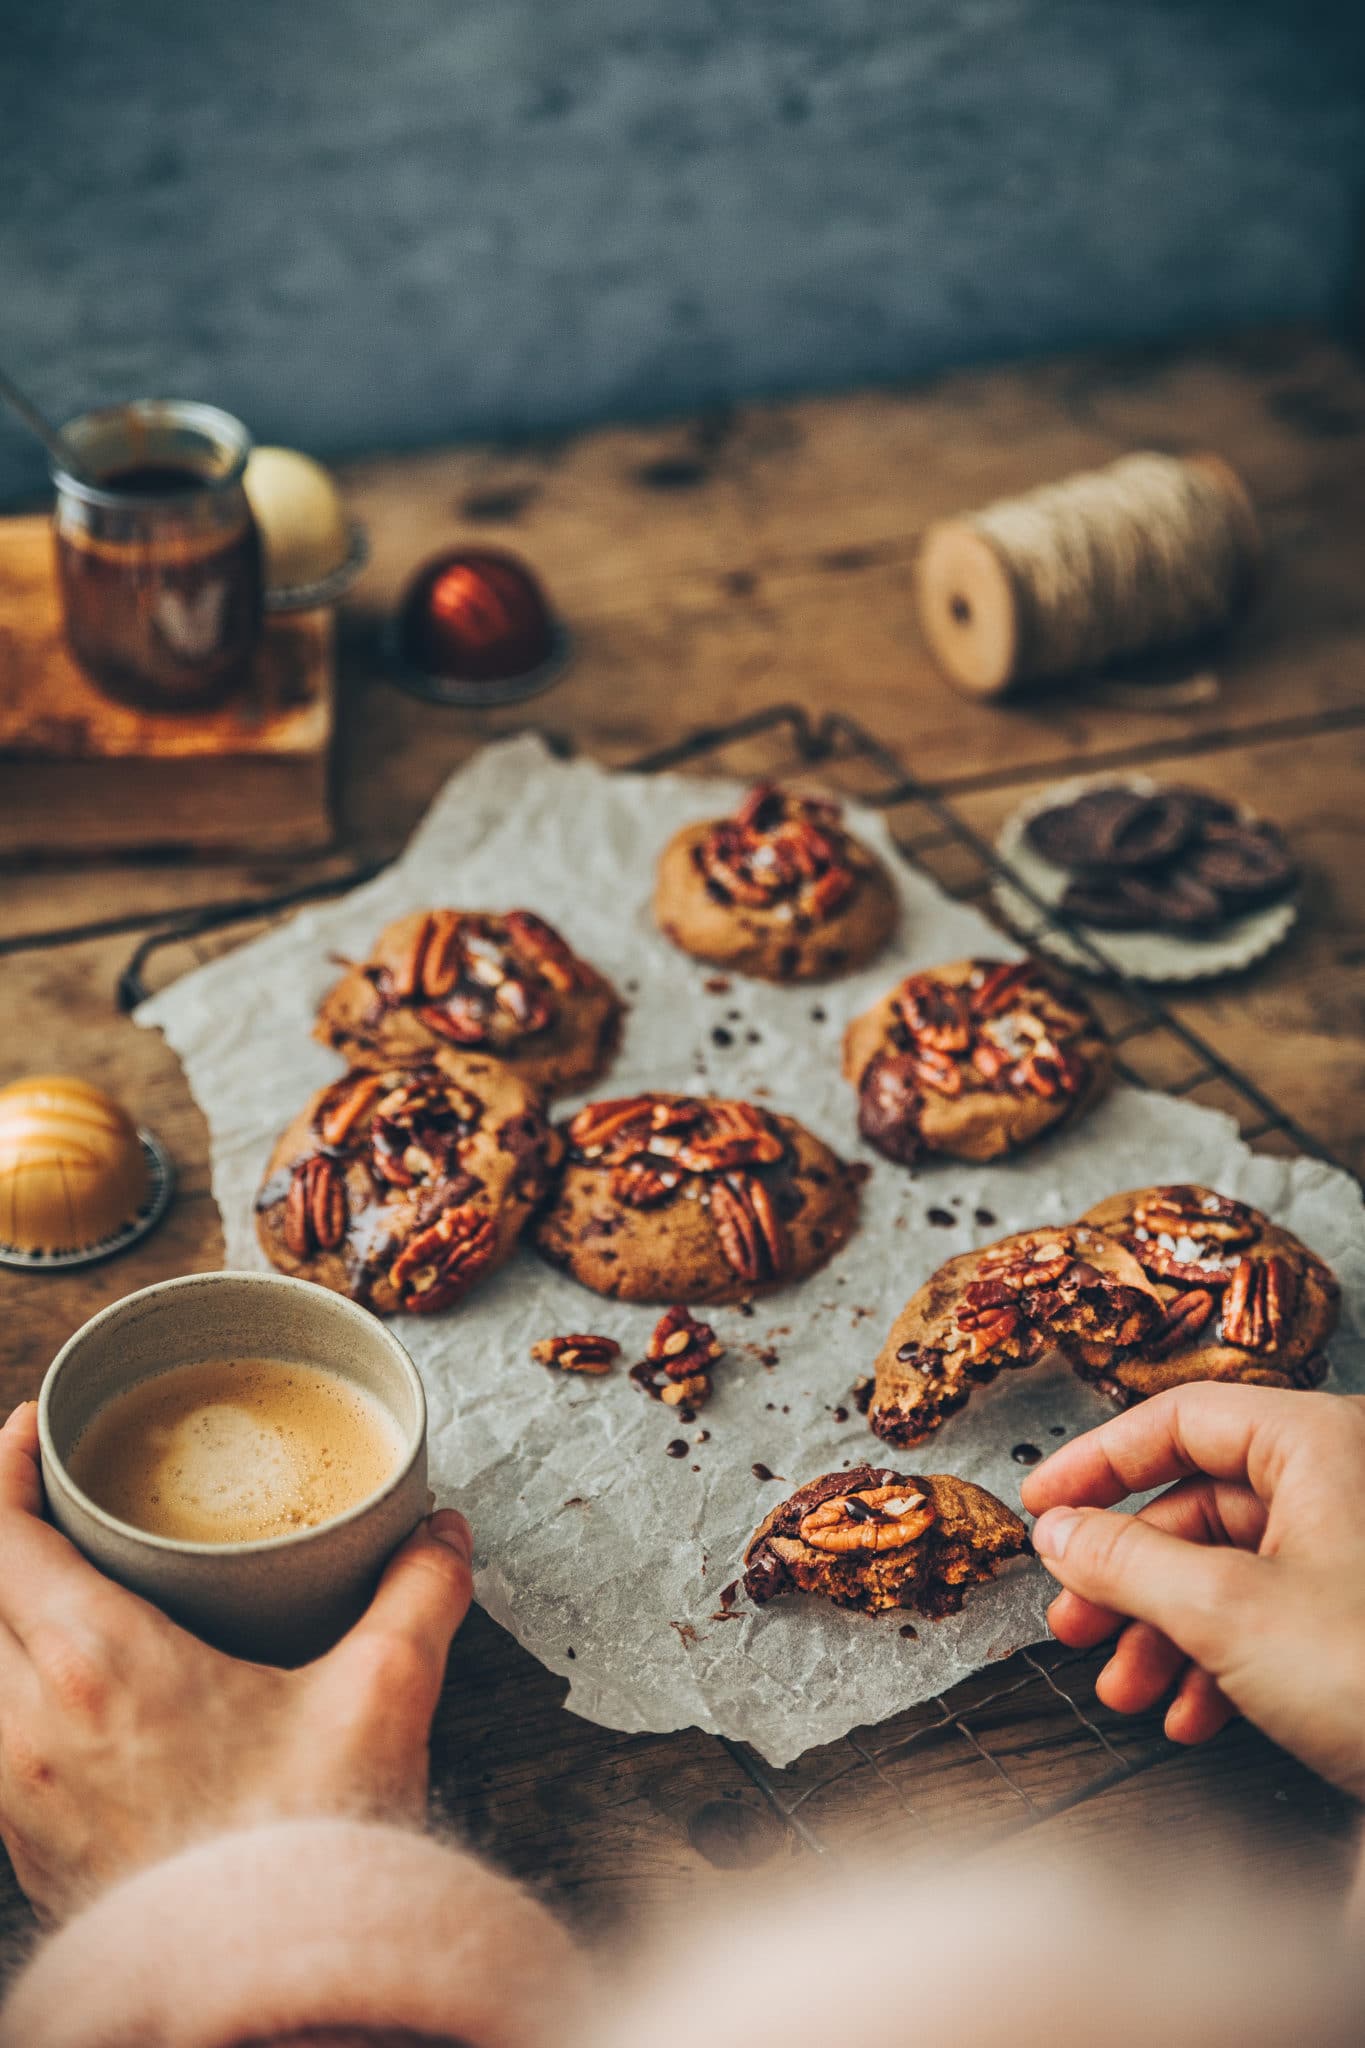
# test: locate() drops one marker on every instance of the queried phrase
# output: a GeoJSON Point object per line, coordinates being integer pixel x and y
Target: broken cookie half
{"type": "Point", "coordinates": [875, 1539]}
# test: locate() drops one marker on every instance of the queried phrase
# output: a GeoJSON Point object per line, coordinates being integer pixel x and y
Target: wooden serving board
{"type": "Point", "coordinates": [82, 774]}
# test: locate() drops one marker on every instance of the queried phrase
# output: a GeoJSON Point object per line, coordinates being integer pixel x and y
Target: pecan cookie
{"type": "Point", "coordinates": [1006, 1306]}
{"type": "Point", "coordinates": [1241, 1298]}
{"type": "Point", "coordinates": [976, 1059]}
{"type": "Point", "coordinates": [780, 890]}
{"type": "Point", "coordinates": [404, 1187]}
{"type": "Point", "coordinates": [674, 1198]}
{"type": "Point", "coordinates": [508, 986]}
{"type": "Point", "coordinates": [874, 1539]}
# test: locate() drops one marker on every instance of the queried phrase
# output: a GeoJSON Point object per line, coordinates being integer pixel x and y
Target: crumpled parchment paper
{"type": "Point", "coordinates": [605, 1556]}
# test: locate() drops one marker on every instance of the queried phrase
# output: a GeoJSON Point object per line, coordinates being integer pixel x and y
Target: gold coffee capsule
{"type": "Point", "coordinates": [74, 1172]}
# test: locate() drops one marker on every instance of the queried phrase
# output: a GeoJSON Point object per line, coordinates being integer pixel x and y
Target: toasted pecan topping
{"type": "Point", "coordinates": [1184, 1318]}
{"type": "Point", "coordinates": [876, 1518]}
{"type": "Point", "coordinates": [443, 1261]}
{"type": "Point", "coordinates": [779, 848]}
{"type": "Point", "coordinates": [749, 1228]}
{"type": "Point", "coordinates": [315, 1210]}
{"type": "Point", "coordinates": [1008, 1029]}
{"type": "Point", "coordinates": [1258, 1304]}
{"type": "Point", "coordinates": [481, 980]}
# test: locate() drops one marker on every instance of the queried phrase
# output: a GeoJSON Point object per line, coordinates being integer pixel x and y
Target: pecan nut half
{"type": "Point", "coordinates": [344, 1105]}
{"type": "Point", "coordinates": [552, 958]}
{"type": "Point", "coordinates": [936, 1013]}
{"type": "Point", "coordinates": [315, 1209]}
{"type": "Point", "coordinates": [1184, 1318]}
{"type": "Point", "coordinates": [1191, 1212]}
{"type": "Point", "coordinates": [443, 1261]}
{"type": "Point", "coordinates": [749, 1228]}
{"type": "Point", "coordinates": [1258, 1304]}
{"type": "Point", "coordinates": [584, 1352]}
{"type": "Point", "coordinates": [637, 1185]}
{"type": "Point", "coordinates": [876, 1518]}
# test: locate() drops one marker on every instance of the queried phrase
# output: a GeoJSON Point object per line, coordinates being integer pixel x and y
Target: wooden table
{"type": "Point", "coordinates": [708, 568]}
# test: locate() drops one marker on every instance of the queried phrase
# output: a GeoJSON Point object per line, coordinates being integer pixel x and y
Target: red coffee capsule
{"type": "Point", "coordinates": [475, 627]}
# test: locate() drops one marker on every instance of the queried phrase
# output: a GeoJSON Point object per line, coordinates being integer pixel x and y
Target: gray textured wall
{"type": "Point", "coordinates": [364, 222]}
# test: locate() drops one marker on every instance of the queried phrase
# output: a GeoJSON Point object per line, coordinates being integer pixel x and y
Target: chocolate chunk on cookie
{"type": "Point", "coordinates": [404, 1187]}
{"type": "Point", "coordinates": [874, 1539]}
{"type": "Point", "coordinates": [1241, 1299]}
{"type": "Point", "coordinates": [1005, 1307]}
{"type": "Point", "coordinates": [673, 1198]}
{"type": "Point", "coordinates": [509, 987]}
{"type": "Point", "coordinates": [974, 1060]}
{"type": "Point", "coordinates": [780, 890]}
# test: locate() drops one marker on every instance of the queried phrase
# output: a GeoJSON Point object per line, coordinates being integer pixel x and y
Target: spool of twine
{"type": "Point", "coordinates": [1152, 551]}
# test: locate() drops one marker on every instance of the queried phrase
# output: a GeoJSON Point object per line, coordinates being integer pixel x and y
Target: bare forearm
{"type": "Point", "coordinates": [303, 1925]}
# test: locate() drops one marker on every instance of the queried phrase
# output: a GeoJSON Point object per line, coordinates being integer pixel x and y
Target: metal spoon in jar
{"type": "Point", "coordinates": [59, 449]}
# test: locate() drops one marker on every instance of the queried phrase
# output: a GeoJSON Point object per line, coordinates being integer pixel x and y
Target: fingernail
{"type": "Point", "coordinates": [449, 1526]}
{"type": "Point", "coordinates": [1052, 1532]}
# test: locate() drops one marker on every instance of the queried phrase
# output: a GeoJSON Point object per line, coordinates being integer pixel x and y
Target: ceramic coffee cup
{"type": "Point", "coordinates": [282, 1599]}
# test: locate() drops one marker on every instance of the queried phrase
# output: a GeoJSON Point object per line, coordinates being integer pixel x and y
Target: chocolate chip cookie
{"type": "Point", "coordinates": [673, 1198]}
{"type": "Point", "coordinates": [405, 1186]}
{"type": "Point", "coordinates": [780, 890]}
{"type": "Point", "coordinates": [874, 1539]}
{"type": "Point", "coordinates": [507, 986]}
{"type": "Point", "coordinates": [1241, 1299]}
{"type": "Point", "coordinates": [974, 1060]}
{"type": "Point", "coordinates": [1004, 1307]}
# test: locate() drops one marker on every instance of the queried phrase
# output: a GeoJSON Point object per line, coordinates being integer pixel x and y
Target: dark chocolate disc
{"type": "Point", "coordinates": [889, 1106]}
{"type": "Point", "coordinates": [1244, 864]}
{"type": "Point", "coordinates": [1110, 906]}
{"type": "Point", "coordinates": [1109, 831]}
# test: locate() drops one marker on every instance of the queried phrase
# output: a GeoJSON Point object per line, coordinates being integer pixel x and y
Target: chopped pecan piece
{"type": "Point", "coordinates": [877, 1518]}
{"type": "Point", "coordinates": [1037, 1264]}
{"type": "Point", "coordinates": [442, 956]}
{"type": "Point", "coordinates": [778, 848]}
{"type": "Point", "coordinates": [315, 1208]}
{"type": "Point", "coordinates": [733, 1134]}
{"type": "Point", "coordinates": [750, 1231]}
{"type": "Point", "coordinates": [463, 1019]}
{"type": "Point", "coordinates": [1049, 1070]}
{"type": "Point", "coordinates": [603, 1123]}
{"type": "Point", "coordinates": [584, 1352]}
{"type": "Point", "coordinates": [442, 1262]}
{"type": "Point", "coordinates": [682, 1345]}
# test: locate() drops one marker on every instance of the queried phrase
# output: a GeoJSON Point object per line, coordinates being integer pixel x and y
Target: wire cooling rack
{"type": "Point", "coordinates": [1024, 1739]}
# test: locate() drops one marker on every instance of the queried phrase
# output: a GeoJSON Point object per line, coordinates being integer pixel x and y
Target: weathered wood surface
{"type": "Point", "coordinates": [707, 569]}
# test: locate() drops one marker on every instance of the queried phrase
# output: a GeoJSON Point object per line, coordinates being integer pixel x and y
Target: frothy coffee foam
{"type": "Point", "coordinates": [235, 1449]}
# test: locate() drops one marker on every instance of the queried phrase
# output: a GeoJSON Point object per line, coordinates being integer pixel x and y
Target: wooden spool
{"type": "Point", "coordinates": [979, 616]}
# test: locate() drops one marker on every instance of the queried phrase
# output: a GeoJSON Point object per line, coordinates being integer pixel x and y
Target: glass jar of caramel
{"type": "Point", "coordinates": [158, 559]}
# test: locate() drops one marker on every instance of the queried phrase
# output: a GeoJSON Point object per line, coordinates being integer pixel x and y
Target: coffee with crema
{"type": "Point", "coordinates": [234, 1450]}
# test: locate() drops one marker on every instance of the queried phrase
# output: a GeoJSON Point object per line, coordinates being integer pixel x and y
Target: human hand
{"type": "Point", "coordinates": [123, 1738]}
{"type": "Point", "coordinates": [1243, 1584]}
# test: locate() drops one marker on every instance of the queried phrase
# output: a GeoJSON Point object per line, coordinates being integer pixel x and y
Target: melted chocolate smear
{"type": "Point", "coordinates": [942, 1219]}
{"type": "Point", "coordinates": [862, 1394]}
{"type": "Point", "coordinates": [677, 1449]}
{"type": "Point", "coordinates": [762, 1472]}
{"type": "Point", "coordinates": [985, 1219]}
{"type": "Point", "coordinates": [841, 1415]}
{"type": "Point", "coordinates": [1026, 1454]}
{"type": "Point", "coordinates": [729, 1594]}
{"type": "Point", "coordinates": [568, 1653]}
{"type": "Point", "coordinates": [1057, 1429]}
{"type": "Point", "coordinates": [908, 1630]}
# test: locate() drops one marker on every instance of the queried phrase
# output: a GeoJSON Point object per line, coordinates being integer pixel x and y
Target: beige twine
{"type": "Point", "coordinates": [1144, 553]}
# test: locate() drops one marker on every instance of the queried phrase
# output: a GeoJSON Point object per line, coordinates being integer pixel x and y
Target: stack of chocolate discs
{"type": "Point", "coordinates": [78, 1180]}
{"type": "Point", "coordinates": [1174, 860]}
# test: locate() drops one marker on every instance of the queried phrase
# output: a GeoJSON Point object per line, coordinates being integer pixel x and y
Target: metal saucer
{"type": "Point", "coordinates": [160, 1187]}
{"type": "Point", "coordinates": [462, 693]}
{"type": "Point", "coordinates": [309, 597]}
